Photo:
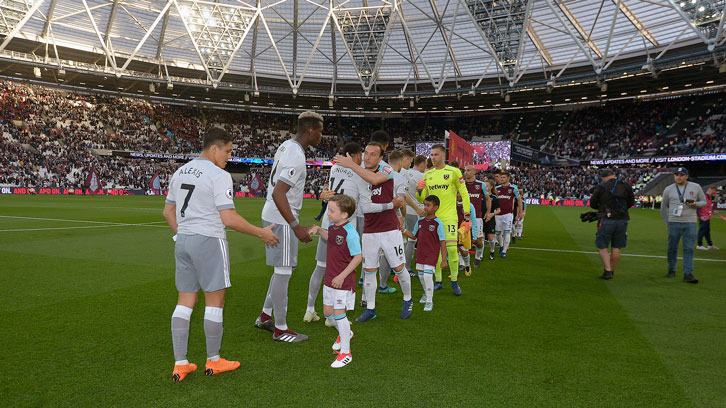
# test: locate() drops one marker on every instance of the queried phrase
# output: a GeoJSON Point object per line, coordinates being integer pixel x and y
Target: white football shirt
{"type": "Point", "coordinates": [199, 190]}
{"type": "Point", "coordinates": [412, 177]}
{"type": "Point", "coordinates": [289, 168]}
{"type": "Point", "coordinates": [345, 181]}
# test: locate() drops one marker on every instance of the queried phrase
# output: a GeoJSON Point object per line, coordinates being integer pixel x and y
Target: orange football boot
{"type": "Point", "coordinates": [181, 371]}
{"type": "Point", "coordinates": [220, 366]}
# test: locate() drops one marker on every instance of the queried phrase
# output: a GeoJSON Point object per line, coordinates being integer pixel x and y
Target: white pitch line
{"type": "Point", "coordinates": [621, 254]}
{"type": "Point", "coordinates": [147, 224]}
{"type": "Point", "coordinates": [67, 220]}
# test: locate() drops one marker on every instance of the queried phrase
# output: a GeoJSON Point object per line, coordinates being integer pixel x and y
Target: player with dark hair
{"type": "Point", "coordinates": [341, 181]}
{"type": "Point", "coordinates": [445, 182]}
{"type": "Point", "coordinates": [204, 191]}
{"type": "Point", "coordinates": [508, 195]}
{"type": "Point", "coordinates": [489, 221]}
{"type": "Point", "coordinates": [479, 196]}
{"type": "Point", "coordinates": [413, 213]}
{"type": "Point", "coordinates": [381, 231]}
{"type": "Point", "coordinates": [285, 191]}
{"type": "Point", "coordinates": [429, 233]}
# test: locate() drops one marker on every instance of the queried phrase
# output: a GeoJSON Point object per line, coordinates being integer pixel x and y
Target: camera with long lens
{"type": "Point", "coordinates": [589, 216]}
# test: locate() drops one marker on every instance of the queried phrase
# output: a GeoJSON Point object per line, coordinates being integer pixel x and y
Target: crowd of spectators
{"type": "Point", "coordinates": [571, 182]}
{"type": "Point", "coordinates": [51, 137]}
{"type": "Point", "coordinates": [621, 130]}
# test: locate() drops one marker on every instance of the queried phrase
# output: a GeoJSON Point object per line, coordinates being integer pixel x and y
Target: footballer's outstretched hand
{"type": "Point", "coordinates": [421, 184]}
{"type": "Point", "coordinates": [302, 232]}
{"type": "Point", "coordinates": [269, 237]}
{"type": "Point", "coordinates": [398, 202]}
{"type": "Point", "coordinates": [444, 264]}
{"type": "Point", "coordinates": [345, 161]}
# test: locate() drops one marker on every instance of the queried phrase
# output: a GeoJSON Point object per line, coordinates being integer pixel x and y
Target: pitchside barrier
{"type": "Point", "coordinates": [103, 191]}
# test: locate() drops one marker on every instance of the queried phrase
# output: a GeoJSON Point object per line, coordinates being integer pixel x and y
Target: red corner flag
{"type": "Point", "coordinates": [93, 183]}
{"type": "Point", "coordinates": [255, 184]}
{"type": "Point", "coordinates": [155, 184]}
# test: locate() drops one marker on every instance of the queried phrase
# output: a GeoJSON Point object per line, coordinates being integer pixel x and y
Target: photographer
{"type": "Point", "coordinates": [681, 201]}
{"type": "Point", "coordinates": [612, 199]}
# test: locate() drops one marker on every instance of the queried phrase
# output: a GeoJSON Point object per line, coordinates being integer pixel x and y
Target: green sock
{"type": "Point", "coordinates": [453, 261]}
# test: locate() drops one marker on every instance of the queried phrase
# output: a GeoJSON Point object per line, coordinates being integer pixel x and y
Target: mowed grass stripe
{"type": "Point", "coordinates": [683, 323]}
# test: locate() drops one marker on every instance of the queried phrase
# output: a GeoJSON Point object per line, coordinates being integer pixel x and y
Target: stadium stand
{"type": "Point", "coordinates": [51, 137]}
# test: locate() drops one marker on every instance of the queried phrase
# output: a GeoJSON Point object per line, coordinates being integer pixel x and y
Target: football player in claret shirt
{"type": "Point", "coordinates": [343, 256]}
{"type": "Point", "coordinates": [479, 197]}
{"type": "Point", "coordinates": [431, 240]}
{"type": "Point", "coordinates": [507, 194]}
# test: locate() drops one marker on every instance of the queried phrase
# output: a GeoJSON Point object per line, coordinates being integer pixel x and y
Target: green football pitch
{"type": "Point", "coordinates": [89, 291]}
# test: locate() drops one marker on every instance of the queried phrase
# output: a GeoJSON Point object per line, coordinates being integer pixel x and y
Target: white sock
{"type": "Point", "coordinates": [215, 358]}
{"type": "Point", "coordinates": [499, 239]}
{"type": "Point", "coordinates": [492, 245]}
{"type": "Point", "coordinates": [465, 259]}
{"type": "Point", "coordinates": [404, 279]}
{"type": "Point", "coordinates": [479, 252]}
{"type": "Point", "coordinates": [429, 286]}
{"type": "Point", "coordinates": [507, 235]}
{"type": "Point", "coordinates": [422, 279]}
{"type": "Point", "coordinates": [343, 326]}
{"type": "Point", "coordinates": [181, 362]}
{"type": "Point", "coordinates": [370, 286]}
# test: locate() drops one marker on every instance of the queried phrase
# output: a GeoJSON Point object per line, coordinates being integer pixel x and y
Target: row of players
{"type": "Point", "coordinates": [202, 255]}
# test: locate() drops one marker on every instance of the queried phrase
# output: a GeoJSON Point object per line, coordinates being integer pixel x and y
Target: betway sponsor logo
{"type": "Point", "coordinates": [377, 191]}
{"type": "Point", "coordinates": [438, 187]}
{"type": "Point", "coordinates": [474, 195]}
{"type": "Point", "coordinates": [504, 197]}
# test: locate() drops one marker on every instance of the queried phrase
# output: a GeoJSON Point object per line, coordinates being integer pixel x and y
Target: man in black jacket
{"type": "Point", "coordinates": [612, 199]}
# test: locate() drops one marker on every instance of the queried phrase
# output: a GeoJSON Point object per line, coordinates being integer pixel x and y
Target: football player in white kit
{"type": "Point", "coordinates": [198, 207]}
{"type": "Point", "coordinates": [413, 175]}
{"type": "Point", "coordinates": [285, 191]}
{"type": "Point", "coordinates": [341, 181]}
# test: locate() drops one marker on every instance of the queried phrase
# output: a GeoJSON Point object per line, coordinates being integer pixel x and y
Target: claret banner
{"type": "Point", "coordinates": [459, 150]}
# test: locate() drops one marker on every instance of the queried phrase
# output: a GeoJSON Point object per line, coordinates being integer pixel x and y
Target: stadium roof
{"type": "Point", "coordinates": [357, 47]}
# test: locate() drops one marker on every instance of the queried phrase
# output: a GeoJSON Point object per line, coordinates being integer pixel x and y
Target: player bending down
{"type": "Point", "coordinates": [431, 239]}
{"type": "Point", "coordinates": [343, 256]}
{"type": "Point", "coordinates": [202, 256]}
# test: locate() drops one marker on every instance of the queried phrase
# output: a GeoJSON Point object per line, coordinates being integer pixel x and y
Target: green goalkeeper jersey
{"type": "Point", "coordinates": [444, 184]}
